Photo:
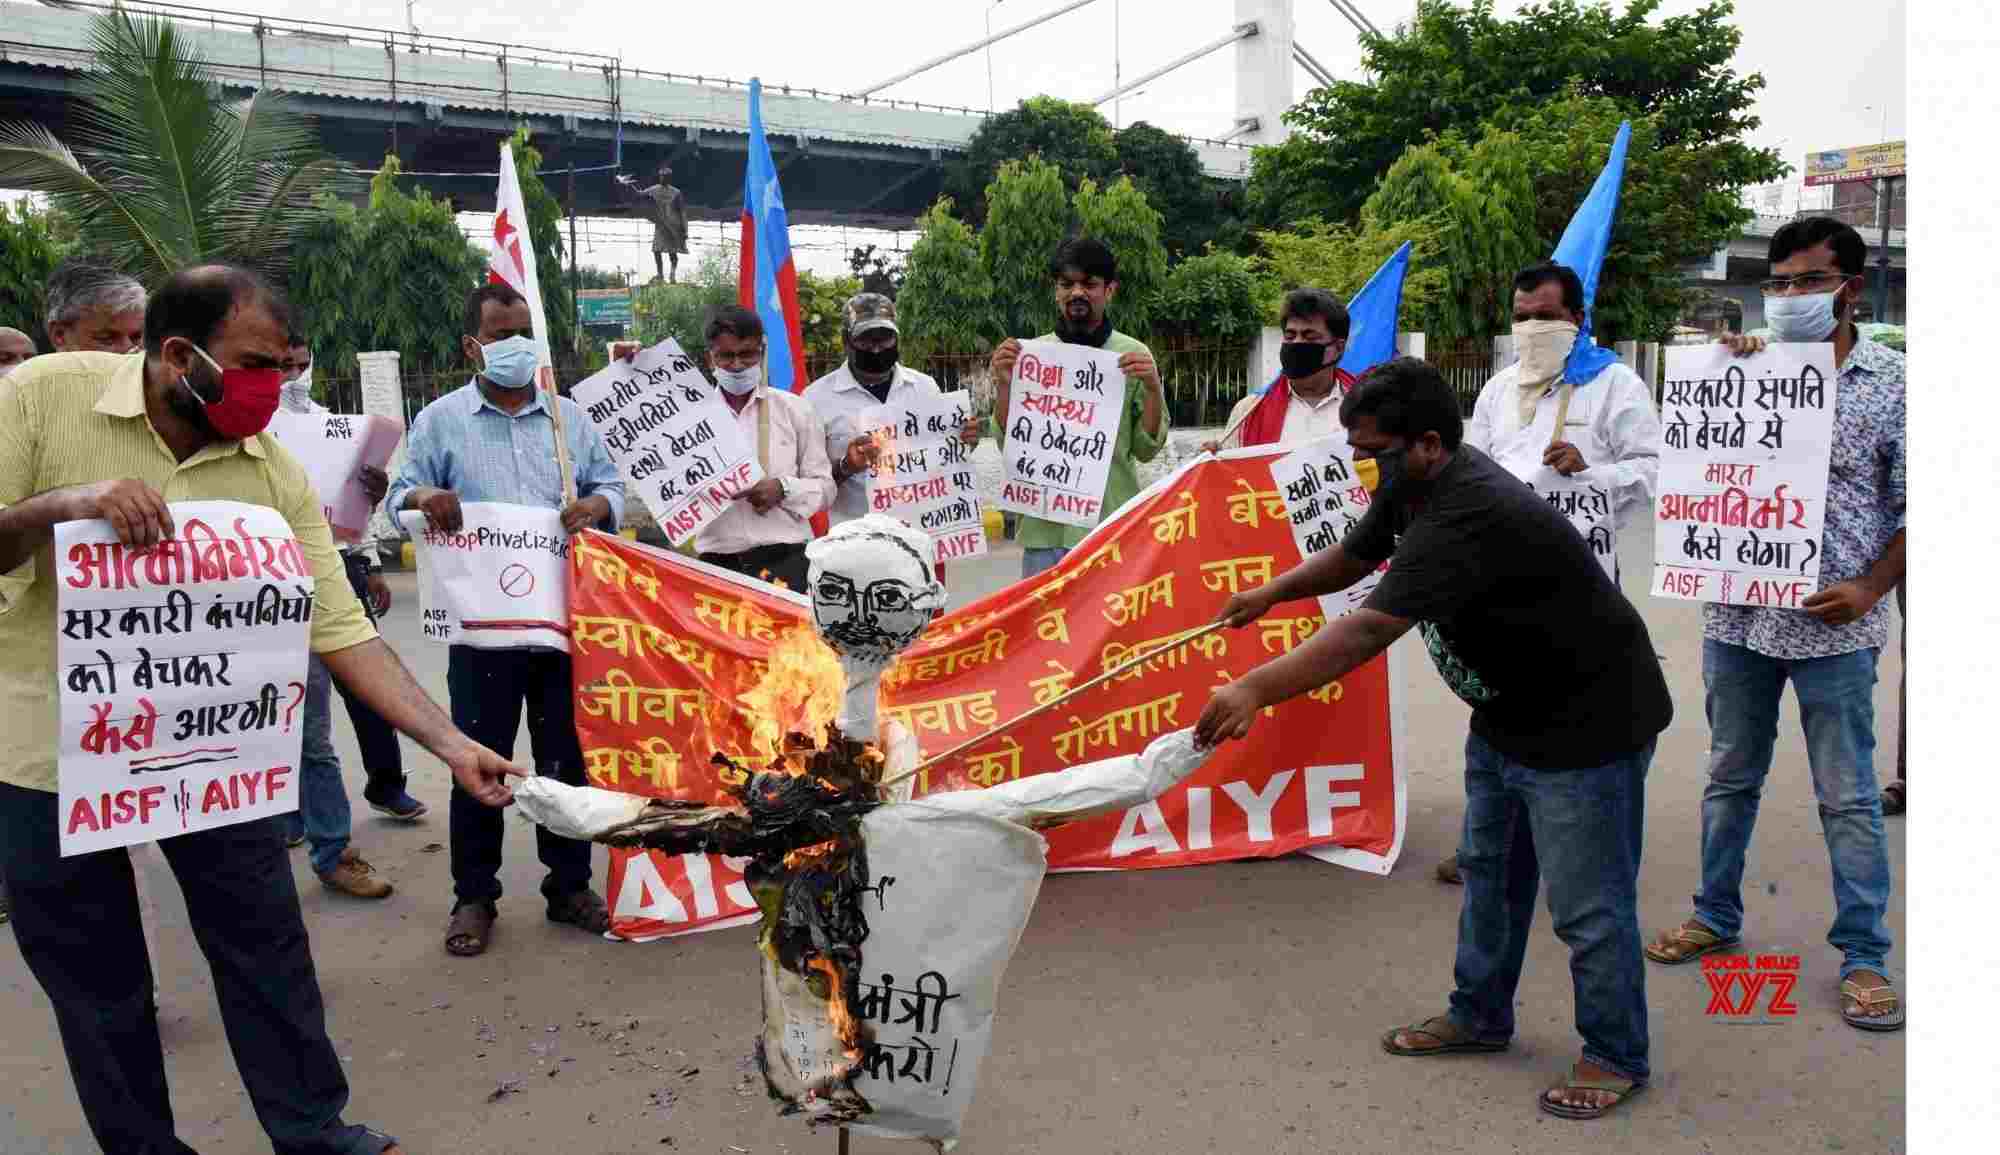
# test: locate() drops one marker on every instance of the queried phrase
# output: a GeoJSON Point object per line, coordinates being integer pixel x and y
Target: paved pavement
{"type": "Point", "coordinates": [1230, 1008]}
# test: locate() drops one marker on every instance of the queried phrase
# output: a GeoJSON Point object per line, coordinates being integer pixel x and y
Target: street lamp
{"type": "Point", "coordinates": [989, 52]}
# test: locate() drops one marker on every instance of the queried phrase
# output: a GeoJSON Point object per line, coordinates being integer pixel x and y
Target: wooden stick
{"type": "Point", "coordinates": [843, 1141]}
{"type": "Point", "coordinates": [1052, 703]}
{"type": "Point", "coordinates": [547, 380]}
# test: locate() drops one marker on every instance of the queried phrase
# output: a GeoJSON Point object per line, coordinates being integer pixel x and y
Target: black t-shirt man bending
{"type": "Point", "coordinates": [1567, 702]}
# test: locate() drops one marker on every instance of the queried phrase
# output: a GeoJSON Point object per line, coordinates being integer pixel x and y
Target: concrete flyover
{"type": "Point", "coordinates": [441, 104]}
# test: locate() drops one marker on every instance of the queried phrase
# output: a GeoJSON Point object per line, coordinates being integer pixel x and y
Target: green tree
{"type": "Point", "coordinates": [166, 172]}
{"type": "Point", "coordinates": [1120, 217]}
{"type": "Point", "coordinates": [1075, 138]}
{"type": "Point", "coordinates": [1213, 297]}
{"type": "Point", "coordinates": [1341, 258]}
{"type": "Point", "coordinates": [33, 241]}
{"type": "Point", "coordinates": [545, 228]}
{"type": "Point", "coordinates": [592, 277]}
{"type": "Point", "coordinates": [392, 274]}
{"type": "Point", "coordinates": [1027, 216]}
{"type": "Point", "coordinates": [682, 310]}
{"type": "Point", "coordinates": [946, 305]}
{"type": "Point", "coordinates": [880, 271]}
{"type": "Point", "coordinates": [820, 318]}
{"type": "Point", "coordinates": [1168, 170]}
{"type": "Point", "coordinates": [1480, 231]}
{"type": "Point", "coordinates": [1459, 67]}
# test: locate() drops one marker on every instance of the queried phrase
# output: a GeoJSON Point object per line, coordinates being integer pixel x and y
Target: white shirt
{"type": "Point", "coordinates": [1304, 421]}
{"type": "Point", "coordinates": [796, 457]}
{"type": "Point", "coordinates": [839, 400]}
{"type": "Point", "coordinates": [1611, 421]}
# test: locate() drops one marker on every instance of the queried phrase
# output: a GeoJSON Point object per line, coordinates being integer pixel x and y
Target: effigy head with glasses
{"type": "Point", "coordinates": [873, 587]}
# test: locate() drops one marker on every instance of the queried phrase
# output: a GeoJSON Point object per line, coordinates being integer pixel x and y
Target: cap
{"type": "Point", "coordinates": [865, 311]}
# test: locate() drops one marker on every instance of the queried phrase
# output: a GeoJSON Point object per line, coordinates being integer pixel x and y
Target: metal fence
{"type": "Point", "coordinates": [1465, 365]}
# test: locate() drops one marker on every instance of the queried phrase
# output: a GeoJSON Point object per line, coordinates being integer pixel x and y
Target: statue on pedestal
{"type": "Point", "coordinates": [667, 206]}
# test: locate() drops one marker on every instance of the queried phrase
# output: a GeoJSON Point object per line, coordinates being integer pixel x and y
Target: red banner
{"type": "Point", "coordinates": [665, 647]}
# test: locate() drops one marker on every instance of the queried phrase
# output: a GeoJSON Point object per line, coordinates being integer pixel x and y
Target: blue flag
{"type": "Point", "coordinates": [1582, 249]}
{"type": "Point", "coordinates": [1371, 318]}
{"type": "Point", "coordinates": [767, 283]}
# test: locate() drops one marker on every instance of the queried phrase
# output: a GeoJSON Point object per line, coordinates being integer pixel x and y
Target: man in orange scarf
{"type": "Point", "coordinates": [1303, 404]}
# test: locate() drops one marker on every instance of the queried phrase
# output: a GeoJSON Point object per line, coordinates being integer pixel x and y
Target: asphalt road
{"type": "Point", "coordinates": [1230, 1008]}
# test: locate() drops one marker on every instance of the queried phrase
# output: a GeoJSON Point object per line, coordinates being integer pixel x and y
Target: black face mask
{"type": "Point", "coordinates": [873, 360]}
{"type": "Point", "coordinates": [1302, 359]}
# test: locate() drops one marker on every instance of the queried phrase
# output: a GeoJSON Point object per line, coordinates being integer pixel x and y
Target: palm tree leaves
{"type": "Point", "coordinates": [166, 171]}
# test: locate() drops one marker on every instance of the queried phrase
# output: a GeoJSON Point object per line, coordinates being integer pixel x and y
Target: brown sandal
{"type": "Point", "coordinates": [1451, 1039]}
{"type": "Point", "coordinates": [1447, 871]}
{"type": "Point", "coordinates": [1687, 942]}
{"type": "Point", "coordinates": [1622, 1088]}
{"type": "Point", "coordinates": [581, 909]}
{"type": "Point", "coordinates": [470, 929]}
{"type": "Point", "coordinates": [1856, 1001]}
{"type": "Point", "coordinates": [1894, 797]}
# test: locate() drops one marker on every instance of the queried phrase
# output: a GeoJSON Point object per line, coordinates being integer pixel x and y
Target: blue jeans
{"type": "Point", "coordinates": [1837, 709]}
{"type": "Point", "coordinates": [1586, 827]}
{"type": "Point", "coordinates": [1034, 561]}
{"type": "Point", "coordinates": [322, 796]}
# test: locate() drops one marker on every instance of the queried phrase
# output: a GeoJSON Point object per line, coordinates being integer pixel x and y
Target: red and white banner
{"type": "Point", "coordinates": [662, 646]}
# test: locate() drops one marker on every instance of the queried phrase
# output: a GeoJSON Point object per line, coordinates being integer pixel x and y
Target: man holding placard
{"type": "Point", "coordinates": [764, 531]}
{"type": "Point", "coordinates": [1827, 644]}
{"type": "Point", "coordinates": [494, 440]}
{"type": "Point", "coordinates": [873, 376]}
{"type": "Point", "coordinates": [1086, 280]}
{"type": "Point", "coordinates": [104, 443]}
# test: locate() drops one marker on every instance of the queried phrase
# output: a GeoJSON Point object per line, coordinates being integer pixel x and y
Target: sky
{"type": "Point", "coordinates": [1835, 68]}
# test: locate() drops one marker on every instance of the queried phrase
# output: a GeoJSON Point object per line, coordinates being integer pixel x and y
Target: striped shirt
{"type": "Point", "coordinates": [77, 418]}
{"type": "Point", "coordinates": [464, 443]}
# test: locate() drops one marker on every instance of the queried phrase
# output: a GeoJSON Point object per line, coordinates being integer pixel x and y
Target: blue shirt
{"type": "Point", "coordinates": [1865, 508]}
{"type": "Point", "coordinates": [464, 443]}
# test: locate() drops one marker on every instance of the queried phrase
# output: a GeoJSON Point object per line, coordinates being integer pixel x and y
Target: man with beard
{"type": "Point", "coordinates": [495, 440]}
{"type": "Point", "coordinates": [1563, 720]}
{"type": "Point", "coordinates": [1303, 404]}
{"type": "Point", "coordinates": [1086, 281]}
{"type": "Point", "coordinates": [90, 436]}
{"type": "Point", "coordinates": [94, 309]}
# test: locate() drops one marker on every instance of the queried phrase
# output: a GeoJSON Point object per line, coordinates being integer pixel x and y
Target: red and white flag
{"type": "Point", "coordinates": [512, 263]}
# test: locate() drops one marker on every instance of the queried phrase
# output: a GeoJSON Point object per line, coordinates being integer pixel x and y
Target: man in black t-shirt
{"type": "Point", "coordinates": [1567, 701]}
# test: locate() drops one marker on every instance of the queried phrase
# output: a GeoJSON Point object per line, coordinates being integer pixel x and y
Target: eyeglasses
{"type": "Point", "coordinates": [1813, 281]}
{"type": "Point", "coordinates": [888, 596]}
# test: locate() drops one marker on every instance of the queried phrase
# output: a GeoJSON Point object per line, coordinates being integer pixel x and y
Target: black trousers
{"type": "Point", "coordinates": [488, 688]}
{"type": "Point", "coordinates": [76, 921]}
{"type": "Point", "coordinates": [771, 563]}
{"type": "Point", "coordinates": [381, 752]}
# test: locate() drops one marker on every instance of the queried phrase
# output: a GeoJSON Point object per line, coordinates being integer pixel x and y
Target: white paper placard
{"type": "Point", "coordinates": [181, 670]}
{"type": "Point", "coordinates": [333, 447]}
{"type": "Point", "coordinates": [924, 477]}
{"type": "Point", "coordinates": [1743, 472]}
{"type": "Point", "coordinates": [500, 583]}
{"type": "Point", "coordinates": [672, 435]}
{"type": "Point", "coordinates": [1589, 507]}
{"type": "Point", "coordinates": [1324, 502]}
{"type": "Point", "coordinates": [1064, 406]}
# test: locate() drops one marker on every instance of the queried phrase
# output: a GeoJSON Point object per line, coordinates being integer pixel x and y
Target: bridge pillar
{"type": "Point", "coordinates": [1264, 69]}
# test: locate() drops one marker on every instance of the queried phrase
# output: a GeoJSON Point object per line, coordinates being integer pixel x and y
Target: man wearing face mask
{"type": "Point", "coordinates": [1535, 421]}
{"type": "Point", "coordinates": [90, 436]}
{"type": "Point", "coordinates": [94, 309]}
{"type": "Point", "coordinates": [1828, 649]}
{"type": "Point", "coordinates": [1086, 280]}
{"type": "Point", "coordinates": [871, 376]}
{"type": "Point", "coordinates": [494, 440]}
{"type": "Point", "coordinates": [1303, 404]}
{"type": "Point", "coordinates": [763, 533]}
{"type": "Point", "coordinates": [1564, 719]}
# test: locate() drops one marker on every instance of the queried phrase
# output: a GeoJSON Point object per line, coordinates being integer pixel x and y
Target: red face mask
{"type": "Point", "coordinates": [249, 397]}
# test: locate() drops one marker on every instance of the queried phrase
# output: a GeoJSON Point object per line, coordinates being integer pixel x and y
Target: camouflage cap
{"type": "Point", "coordinates": [865, 311]}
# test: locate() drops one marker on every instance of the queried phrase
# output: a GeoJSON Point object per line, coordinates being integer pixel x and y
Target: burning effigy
{"type": "Point", "coordinates": [887, 922]}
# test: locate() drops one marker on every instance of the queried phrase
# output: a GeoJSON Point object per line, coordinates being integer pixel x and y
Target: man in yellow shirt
{"type": "Point", "coordinates": [93, 435]}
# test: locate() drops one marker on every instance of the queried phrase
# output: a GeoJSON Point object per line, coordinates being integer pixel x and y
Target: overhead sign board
{"type": "Point", "coordinates": [1869, 162]}
{"type": "Point", "coordinates": [604, 306]}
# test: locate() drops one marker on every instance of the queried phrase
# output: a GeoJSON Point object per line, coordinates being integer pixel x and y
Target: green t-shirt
{"type": "Point", "coordinates": [1134, 445]}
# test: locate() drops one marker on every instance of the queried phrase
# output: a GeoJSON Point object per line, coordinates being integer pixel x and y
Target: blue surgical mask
{"type": "Point", "coordinates": [510, 362]}
{"type": "Point", "coordinates": [1805, 317]}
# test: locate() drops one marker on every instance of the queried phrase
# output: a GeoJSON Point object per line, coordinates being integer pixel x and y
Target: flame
{"type": "Point", "coordinates": [805, 854]}
{"type": "Point", "coordinates": [846, 1027]}
{"type": "Point", "coordinates": [800, 692]}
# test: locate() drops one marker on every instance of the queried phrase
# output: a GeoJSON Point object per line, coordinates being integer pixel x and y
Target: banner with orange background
{"type": "Point", "coordinates": [671, 660]}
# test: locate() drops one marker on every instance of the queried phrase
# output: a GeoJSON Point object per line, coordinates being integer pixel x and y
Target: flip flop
{"type": "Point", "coordinates": [1694, 941]}
{"type": "Point", "coordinates": [1865, 998]}
{"type": "Point", "coordinates": [1894, 797]}
{"type": "Point", "coordinates": [1623, 1088]}
{"type": "Point", "coordinates": [470, 929]}
{"type": "Point", "coordinates": [1451, 1039]}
